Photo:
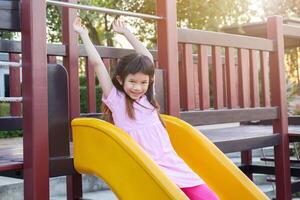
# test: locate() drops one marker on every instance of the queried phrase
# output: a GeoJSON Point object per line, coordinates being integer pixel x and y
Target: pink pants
{"type": "Point", "coordinates": [200, 192]}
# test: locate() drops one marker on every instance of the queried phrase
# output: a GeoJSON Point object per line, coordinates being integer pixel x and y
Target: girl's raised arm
{"type": "Point", "coordinates": [120, 27]}
{"type": "Point", "coordinates": [94, 58]}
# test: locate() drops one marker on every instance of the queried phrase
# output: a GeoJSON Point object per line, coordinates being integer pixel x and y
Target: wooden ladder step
{"type": "Point", "coordinates": [10, 166]}
{"type": "Point", "coordinates": [271, 159]}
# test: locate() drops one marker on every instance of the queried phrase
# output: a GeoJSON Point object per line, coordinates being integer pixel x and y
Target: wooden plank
{"type": "Point", "coordinates": [203, 76]}
{"type": "Point", "coordinates": [230, 78]}
{"type": "Point", "coordinates": [10, 15]}
{"type": "Point", "coordinates": [9, 46]}
{"type": "Point", "coordinates": [160, 89]}
{"type": "Point", "coordinates": [11, 166]}
{"type": "Point", "coordinates": [58, 111]}
{"type": "Point", "coordinates": [294, 136]}
{"type": "Point", "coordinates": [182, 79]}
{"type": "Point", "coordinates": [243, 78]}
{"type": "Point", "coordinates": [294, 120]}
{"type": "Point", "coordinates": [35, 100]}
{"type": "Point", "coordinates": [74, 183]}
{"type": "Point", "coordinates": [246, 160]}
{"type": "Point", "coordinates": [189, 93]}
{"type": "Point", "coordinates": [51, 59]}
{"type": "Point", "coordinates": [254, 90]}
{"type": "Point", "coordinates": [291, 31]}
{"type": "Point", "coordinates": [248, 143]}
{"type": "Point", "coordinates": [90, 86]}
{"type": "Point", "coordinates": [9, 5]}
{"type": "Point", "coordinates": [217, 77]}
{"type": "Point", "coordinates": [107, 63]}
{"type": "Point", "coordinates": [259, 169]}
{"type": "Point", "coordinates": [296, 186]}
{"type": "Point", "coordinates": [224, 85]}
{"type": "Point", "coordinates": [61, 166]}
{"type": "Point", "coordinates": [11, 123]}
{"type": "Point", "coordinates": [197, 118]}
{"type": "Point", "coordinates": [223, 39]}
{"type": "Point", "coordinates": [265, 78]}
{"type": "Point", "coordinates": [242, 138]}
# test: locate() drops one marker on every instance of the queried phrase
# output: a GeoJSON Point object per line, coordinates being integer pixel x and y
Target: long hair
{"type": "Point", "coordinates": [132, 64]}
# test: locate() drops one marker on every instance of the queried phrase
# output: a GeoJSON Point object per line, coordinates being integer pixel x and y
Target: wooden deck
{"type": "Point", "coordinates": [242, 138]}
{"type": "Point", "coordinates": [231, 139]}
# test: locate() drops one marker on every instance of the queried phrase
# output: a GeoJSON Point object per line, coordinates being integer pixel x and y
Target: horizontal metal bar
{"type": "Point", "coordinates": [11, 99]}
{"type": "Point", "coordinates": [10, 64]}
{"type": "Point", "coordinates": [102, 10]}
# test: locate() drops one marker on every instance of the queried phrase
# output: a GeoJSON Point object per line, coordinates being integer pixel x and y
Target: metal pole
{"type": "Point", "coordinates": [102, 10]}
{"type": "Point", "coordinates": [10, 64]}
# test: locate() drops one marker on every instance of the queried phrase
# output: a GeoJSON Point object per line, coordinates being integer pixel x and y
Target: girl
{"type": "Point", "coordinates": [130, 101]}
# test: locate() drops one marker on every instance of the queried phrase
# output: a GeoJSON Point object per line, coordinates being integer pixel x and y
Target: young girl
{"type": "Point", "coordinates": [131, 103]}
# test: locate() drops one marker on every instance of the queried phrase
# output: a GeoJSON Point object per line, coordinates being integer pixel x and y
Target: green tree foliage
{"type": "Point", "coordinates": [6, 35]}
{"type": "Point", "coordinates": [211, 14]}
{"type": "Point", "coordinates": [53, 22]}
{"type": "Point", "coordinates": [197, 14]}
{"type": "Point", "coordinates": [287, 9]}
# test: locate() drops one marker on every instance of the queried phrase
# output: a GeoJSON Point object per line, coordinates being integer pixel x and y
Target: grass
{"type": "Point", "coordinates": [5, 111]}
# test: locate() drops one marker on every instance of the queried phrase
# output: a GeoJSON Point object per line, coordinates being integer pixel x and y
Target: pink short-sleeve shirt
{"type": "Point", "coordinates": [148, 131]}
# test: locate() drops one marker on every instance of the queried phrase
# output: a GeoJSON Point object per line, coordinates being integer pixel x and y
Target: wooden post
{"type": "Point", "coordinates": [90, 86]}
{"type": "Point", "coordinates": [278, 98]}
{"type": "Point", "coordinates": [168, 52]}
{"type": "Point", "coordinates": [35, 100]}
{"type": "Point", "coordinates": [74, 185]}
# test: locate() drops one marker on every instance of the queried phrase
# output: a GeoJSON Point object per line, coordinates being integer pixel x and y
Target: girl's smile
{"type": "Point", "coordinates": [135, 85]}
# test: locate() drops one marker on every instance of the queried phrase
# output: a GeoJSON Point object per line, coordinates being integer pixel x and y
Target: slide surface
{"type": "Point", "coordinates": [106, 151]}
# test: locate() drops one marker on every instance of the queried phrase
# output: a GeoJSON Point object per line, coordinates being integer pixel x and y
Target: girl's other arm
{"type": "Point", "coordinates": [120, 27]}
{"type": "Point", "coordinates": [94, 58]}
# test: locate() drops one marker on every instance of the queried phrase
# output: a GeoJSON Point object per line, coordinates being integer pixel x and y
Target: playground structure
{"type": "Point", "coordinates": [234, 90]}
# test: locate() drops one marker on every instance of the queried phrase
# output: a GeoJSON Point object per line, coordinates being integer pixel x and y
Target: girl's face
{"type": "Point", "coordinates": [135, 85]}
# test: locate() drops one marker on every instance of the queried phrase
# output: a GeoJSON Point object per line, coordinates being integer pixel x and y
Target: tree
{"type": "Point", "coordinates": [287, 9]}
{"type": "Point", "coordinates": [211, 15]}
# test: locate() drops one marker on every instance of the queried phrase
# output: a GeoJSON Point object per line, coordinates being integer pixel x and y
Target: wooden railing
{"type": "Point", "coordinates": [224, 71]}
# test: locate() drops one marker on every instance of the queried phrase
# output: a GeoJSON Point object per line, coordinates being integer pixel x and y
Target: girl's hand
{"type": "Point", "coordinates": [78, 27]}
{"type": "Point", "coordinates": [119, 27]}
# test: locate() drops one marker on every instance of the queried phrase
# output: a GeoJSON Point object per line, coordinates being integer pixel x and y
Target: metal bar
{"type": "Point", "coordinates": [10, 64]}
{"type": "Point", "coordinates": [11, 99]}
{"type": "Point", "coordinates": [103, 10]}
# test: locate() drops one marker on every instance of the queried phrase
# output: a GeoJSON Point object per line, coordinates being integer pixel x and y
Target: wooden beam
{"type": "Point", "coordinates": [10, 15]}
{"type": "Point", "coordinates": [11, 123]}
{"type": "Point", "coordinates": [278, 98]}
{"type": "Point", "coordinates": [35, 100]}
{"type": "Point", "coordinates": [10, 46]}
{"type": "Point", "coordinates": [168, 52]}
{"type": "Point", "coordinates": [197, 118]}
{"type": "Point", "coordinates": [224, 39]}
{"type": "Point", "coordinates": [70, 39]}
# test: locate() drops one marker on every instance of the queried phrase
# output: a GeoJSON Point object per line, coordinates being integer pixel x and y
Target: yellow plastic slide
{"type": "Point", "coordinates": [106, 151]}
